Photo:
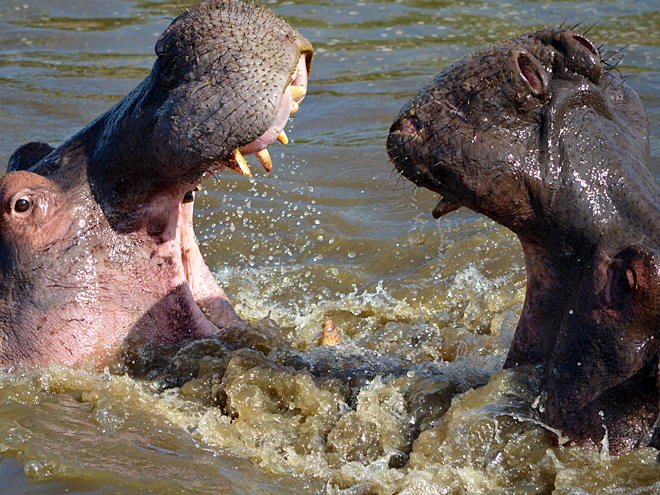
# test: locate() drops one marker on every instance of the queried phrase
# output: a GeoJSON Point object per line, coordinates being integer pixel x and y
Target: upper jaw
{"type": "Point", "coordinates": [404, 143]}
{"type": "Point", "coordinates": [415, 154]}
{"type": "Point", "coordinates": [292, 97]}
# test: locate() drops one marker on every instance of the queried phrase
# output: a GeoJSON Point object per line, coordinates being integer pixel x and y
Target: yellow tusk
{"type": "Point", "coordinates": [240, 165]}
{"type": "Point", "coordinates": [294, 107]}
{"type": "Point", "coordinates": [264, 158]}
{"type": "Point", "coordinates": [298, 92]}
{"type": "Point", "coordinates": [282, 138]}
{"type": "Point", "coordinates": [330, 334]}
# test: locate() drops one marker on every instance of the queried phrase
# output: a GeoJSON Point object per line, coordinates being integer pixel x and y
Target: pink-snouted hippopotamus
{"type": "Point", "coordinates": [97, 249]}
{"type": "Point", "coordinates": [538, 136]}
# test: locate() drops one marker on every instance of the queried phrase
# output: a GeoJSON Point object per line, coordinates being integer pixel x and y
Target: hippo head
{"type": "Point", "coordinates": [97, 250]}
{"type": "Point", "coordinates": [535, 134]}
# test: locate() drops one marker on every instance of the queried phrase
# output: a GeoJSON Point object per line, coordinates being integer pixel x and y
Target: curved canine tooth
{"type": "Point", "coordinates": [294, 107]}
{"type": "Point", "coordinates": [298, 92]}
{"type": "Point", "coordinates": [264, 158]}
{"type": "Point", "coordinates": [239, 164]}
{"type": "Point", "coordinates": [282, 138]}
{"type": "Point", "coordinates": [330, 334]}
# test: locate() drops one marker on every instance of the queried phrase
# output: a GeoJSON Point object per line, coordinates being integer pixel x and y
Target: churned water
{"type": "Point", "coordinates": [414, 400]}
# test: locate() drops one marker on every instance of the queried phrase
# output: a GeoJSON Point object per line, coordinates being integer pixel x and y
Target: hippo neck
{"type": "Point", "coordinates": [579, 217]}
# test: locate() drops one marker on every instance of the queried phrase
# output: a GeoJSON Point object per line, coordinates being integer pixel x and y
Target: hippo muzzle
{"type": "Point", "coordinates": [535, 134]}
{"type": "Point", "coordinates": [97, 250]}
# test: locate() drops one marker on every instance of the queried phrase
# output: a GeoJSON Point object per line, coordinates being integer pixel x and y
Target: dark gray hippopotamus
{"type": "Point", "coordinates": [97, 249]}
{"type": "Point", "coordinates": [536, 135]}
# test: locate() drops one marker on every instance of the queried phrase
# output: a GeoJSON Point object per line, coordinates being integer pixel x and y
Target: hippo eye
{"type": "Point", "coordinates": [188, 197]}
{"type": "Point", "coordinates": [23, 204]}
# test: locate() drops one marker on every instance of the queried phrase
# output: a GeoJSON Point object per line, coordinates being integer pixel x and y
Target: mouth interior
{"type": "Point", "coordinates": [207, 294]}
{"type": "Point", "coordinates": [213, 303]}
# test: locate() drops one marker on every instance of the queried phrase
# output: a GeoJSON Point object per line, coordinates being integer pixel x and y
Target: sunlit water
{"type": "Point", "coordinates": [414, 400]}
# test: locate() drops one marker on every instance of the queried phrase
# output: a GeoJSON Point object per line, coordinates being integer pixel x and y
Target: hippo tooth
{"type": "Point", "coordinates": [264, 158]}
{"type": "Point", "coordinates": [298, 92]}
{"type": "Point", "coordinates": [294, 107]}
{"type": "Point", "coordinates": [330, 334]}
{"type": "Point", "coordinates": [239, 164]}
{"type": "Point", "coordinates": [445, 206]}
{"type": "Point", "coordinates": [282, 138]}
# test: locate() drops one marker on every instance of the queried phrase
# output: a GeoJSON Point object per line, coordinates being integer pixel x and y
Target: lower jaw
{"type": "Point", "coordinates": [181, 300]}
{"type": "Point", "coordinates": [204, 305]}
{"type": "Point", "coordinates": [207, 294]}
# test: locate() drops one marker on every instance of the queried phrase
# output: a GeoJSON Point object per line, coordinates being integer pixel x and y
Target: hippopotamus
{"type": "Point", "coordinates": [538, 135]}
{"type": "Point", "coordinates": [97, 249]}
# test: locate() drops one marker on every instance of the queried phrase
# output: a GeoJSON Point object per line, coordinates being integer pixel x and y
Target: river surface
{"type": "Point", "coordinates": [414, 400]}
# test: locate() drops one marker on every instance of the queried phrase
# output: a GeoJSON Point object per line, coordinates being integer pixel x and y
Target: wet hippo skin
{"type": "Point", "coordinates": [97, 250]}
{"type": "Point", "coordinates": [537, 135]}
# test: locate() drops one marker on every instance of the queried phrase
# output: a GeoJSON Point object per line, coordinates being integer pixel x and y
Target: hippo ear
{"type": "Point", "coordinates": [633, 284]}
{"type": "Point", "coordinates": [28, 155]}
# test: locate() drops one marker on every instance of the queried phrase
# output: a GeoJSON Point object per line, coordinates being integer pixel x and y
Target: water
{"type": "Point", "coordinates": [414, 401]}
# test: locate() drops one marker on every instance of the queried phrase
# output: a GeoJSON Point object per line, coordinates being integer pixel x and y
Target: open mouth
{"type": "Point", "coordinates": [207, 294]}
{"type": "Point", "coordinates": [291, 99]}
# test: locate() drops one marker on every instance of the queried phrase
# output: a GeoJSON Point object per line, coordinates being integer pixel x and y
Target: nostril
{"type": "Point", "coordinates": [531, 76]}
{"type": "Point", "coordinates": [578, 55]}
{"type": "Point", "coordinates": [587, 44]}
{"type": "Point", "coordinates": [406, 125]}
{"type": "Point", "coordinates": [533, 73]}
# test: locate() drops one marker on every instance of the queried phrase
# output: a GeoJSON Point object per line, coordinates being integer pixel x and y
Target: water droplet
{"type": "Point", "coordinates": [34, 469]}
{"type": "Point", "coordinates": [351, 254]}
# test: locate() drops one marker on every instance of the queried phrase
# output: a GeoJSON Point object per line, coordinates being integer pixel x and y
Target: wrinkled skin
{"type": "Point", "coordinates": [535, 134]}
{"type": "Point", "coordinates": [97, 251]}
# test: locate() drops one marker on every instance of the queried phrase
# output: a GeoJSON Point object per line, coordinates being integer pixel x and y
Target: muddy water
{"type": "Point", "coordinates": [414, 400]}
